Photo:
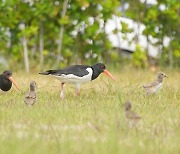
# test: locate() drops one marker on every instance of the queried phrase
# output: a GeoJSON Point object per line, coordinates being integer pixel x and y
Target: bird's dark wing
{"type": "Point", "coordinates": [78, 70]}
{"type": "Point", "coordinates": [31, 95]}
{"type": "Point", "coordinates": [132, 115]}
{"type": "Point", "coordinates": [150, 85]}
{"type": "Point", "coordinates": [30, 98]}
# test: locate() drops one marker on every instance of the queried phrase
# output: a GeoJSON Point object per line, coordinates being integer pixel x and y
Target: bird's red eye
{"type": "Point", "coordinates": [102, 66]}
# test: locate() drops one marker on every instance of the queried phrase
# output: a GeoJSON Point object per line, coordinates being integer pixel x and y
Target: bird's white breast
{"type": "Point", "coordinates": [73, 79]}
{"type": "Point", "coordinates": [156, 88]}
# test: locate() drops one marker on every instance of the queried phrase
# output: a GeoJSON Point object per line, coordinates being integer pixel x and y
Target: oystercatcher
{"type": "Point", "coordinates": [6, 81]}
{"type": "Point", "coordinates": [78, 74]}
{"type": "Point", "coordinates": [31, 96]}
{"type": "Point", "coordinates": [153, 87]}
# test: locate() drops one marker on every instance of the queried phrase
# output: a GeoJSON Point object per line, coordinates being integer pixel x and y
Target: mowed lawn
{"type": "Point", "coordinates": [95, 121]}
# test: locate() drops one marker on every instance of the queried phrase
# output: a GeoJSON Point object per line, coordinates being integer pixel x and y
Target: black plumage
{"type": "Point", "coordinates": [6, 81]}
{"type": "Point", "coordinates": [78, 70]}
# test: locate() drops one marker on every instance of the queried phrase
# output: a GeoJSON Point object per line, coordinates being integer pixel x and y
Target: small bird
{"type": "Point", "coordinates": [77, 75]}
{"type": "Point", "coordinates": [153, 87]}
{"type": "Point", "coordinates": [130, 115]}
{"type": "Point", "coordinates": [31, 96]}
{"type": "Point", "coordinates": [6, 81]}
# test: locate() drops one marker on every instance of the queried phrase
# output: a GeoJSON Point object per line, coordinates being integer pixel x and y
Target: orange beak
{"type": "Point", "coordinates": [109, 74]}
{"type": "Point", "coordinates": [14, 82]}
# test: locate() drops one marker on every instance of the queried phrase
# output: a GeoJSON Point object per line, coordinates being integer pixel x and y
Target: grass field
{"type": "Point", "coordinates": [95, 121]}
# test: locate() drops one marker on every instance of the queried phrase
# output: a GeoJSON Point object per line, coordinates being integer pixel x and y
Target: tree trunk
{"type": "Point", "coordinates": [123, 8]}
{"type": "Point", "coordinates": [147, 48]}
{"type": "Point", "coordinates": [105, 52]}
{"type": "Point", "coordinates": [76, 49]}
{"type": "Point", "coordinates": [170, 55]}
{"type": "Point", "coordinates": [41, 44]}
{"type": "Point", "coordinates": [61, 31]}
{"type": "Point", "coordinates": [26, 59]}
{"type": "Point", "coordinates": [137, 32]}
{"type": "Point", "coordinates": [170, 48]}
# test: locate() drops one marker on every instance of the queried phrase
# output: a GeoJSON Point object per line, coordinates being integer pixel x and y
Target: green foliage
{"type": "Point", "coordinates": [84, 28]}
{"type": "Point", "coordinates": [161, 21]}
{"type": "Point", "coordinates": [177, 53]}
{"type": "Point", "coordinates": [114, 56]}
{"type": "Point", "coordinates": [139, 57]}
{"type": "Point", "coordinates": [125, 28]}
{"type": "Point", "coordinates": [64, 21]}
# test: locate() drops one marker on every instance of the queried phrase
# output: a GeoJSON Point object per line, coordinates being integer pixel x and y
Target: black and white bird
{"type": "Point", "coordinates": [154, 86]}
{"type": "Point", "coordinates": [77, 75]}
{"type": "Point", "coordinates": [31, 96]}
{"type": "Point", "coordinates": [6, 81]}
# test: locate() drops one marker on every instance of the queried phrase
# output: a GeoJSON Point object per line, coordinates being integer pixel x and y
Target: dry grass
{"type": "Point", "coordinates": [94, 122]}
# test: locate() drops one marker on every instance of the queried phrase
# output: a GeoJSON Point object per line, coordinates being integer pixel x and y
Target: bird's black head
{"type": "Point", "coordinates": [7, 73]}
{"type": "Point", "coordinates": [100, 67]}
{"type": "Point", "coordinates": [97, 70]}
{"type": "Point", "coordinates": [8, 80]}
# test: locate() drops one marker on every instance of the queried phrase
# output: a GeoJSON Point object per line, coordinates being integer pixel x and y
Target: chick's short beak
{"type": "Point", "coordinates": [14, 82]}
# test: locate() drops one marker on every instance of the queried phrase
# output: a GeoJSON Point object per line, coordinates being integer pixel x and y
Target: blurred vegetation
{"type": "Point", "coordinates": [55, 33]}
{"type": "Point", "coordinates": [139, 57]}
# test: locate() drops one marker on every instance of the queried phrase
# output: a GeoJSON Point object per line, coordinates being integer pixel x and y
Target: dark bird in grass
{"type": "Point", "coordinates": [130, 115]}
{"type": "Point", "coordinates": [154, 86]}
{"type": "Point", "coordinates": [31, 96]}
{"type": "Point", "coordinates": [77, 75]}
{"type": "Point", "coordinates": [6, 81]}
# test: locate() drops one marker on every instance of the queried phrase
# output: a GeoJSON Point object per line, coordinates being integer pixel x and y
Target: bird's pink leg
{"type": "Point", "coordinates": [62, 92]}
{"type": "Point", "coordinates": [77, 90]}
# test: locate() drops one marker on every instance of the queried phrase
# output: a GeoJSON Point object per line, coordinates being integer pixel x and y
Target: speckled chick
{"type": "Point", "coordinates": [31, 96]}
